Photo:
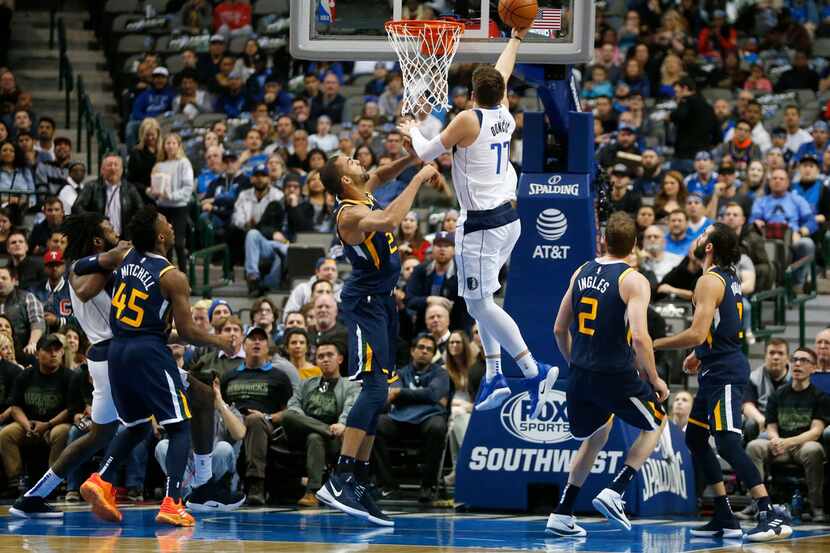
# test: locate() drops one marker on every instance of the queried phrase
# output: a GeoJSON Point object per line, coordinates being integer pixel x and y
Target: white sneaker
{"type": "Point", "coordinates": [610, 503]}
{"type": "Point", "coordinates": [565, 526]}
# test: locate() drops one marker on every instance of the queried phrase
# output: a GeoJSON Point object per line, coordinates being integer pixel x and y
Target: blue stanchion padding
{"type": "Point", "coordinates": [821, 381]}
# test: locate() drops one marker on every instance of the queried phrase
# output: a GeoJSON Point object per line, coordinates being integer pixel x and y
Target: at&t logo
{"type": "Point", "coordinates": [552, 427]}
{"type": "Point", "coordinates": [551, 224]}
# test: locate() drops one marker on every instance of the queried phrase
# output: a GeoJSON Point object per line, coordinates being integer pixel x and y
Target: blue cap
{"type": "Point", "coordinates": [703, 155]}
{"type": "Point", "coordinates": [260, 169]}
{"type": "Point", "coordinates": [695, 195]}
{"type": "Point", "coordinates": [444, 236]}
{"type": "Point", "coordinates": [626, 127]}
{"type": "Point", "coordinates": [820, 126]}
{"type": "Point", "coordinates": [216, 303]}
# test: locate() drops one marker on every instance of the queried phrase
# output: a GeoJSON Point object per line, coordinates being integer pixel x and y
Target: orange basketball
{"type": "Point", "coordinates": [518, 13]}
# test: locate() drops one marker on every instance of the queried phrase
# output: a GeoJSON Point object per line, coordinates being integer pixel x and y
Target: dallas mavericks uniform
{"type": "Point", "coordinates": [724, 369]}
{"type": "Point", "coordinates": [367, 303]}
{"type": "Point", "coordinates": [485, 183]}
{"type": "Point", "coordinates": [604, 381]}
{"type": "Point", "coordinates": [94, 317]}
{"type": "Point", "coordinates": [144, 376]}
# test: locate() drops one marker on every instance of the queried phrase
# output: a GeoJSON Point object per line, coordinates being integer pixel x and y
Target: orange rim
{"type": "Point", "coordinates": [432, 27]}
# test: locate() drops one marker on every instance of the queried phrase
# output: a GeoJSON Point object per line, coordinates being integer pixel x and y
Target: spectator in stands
{"type": "Point", "coordinates": [216, 363]}
{"type": "Point", "coordinates": [44, 147]}
{"type": "Point", "coordinates": [191, 100]}
{"type": "Point", "coordinates": [724, 115]}
{"type": "Point", "coordinates": [50, 175]}
{"type": "Point", "coordinates": [327, 326]}
{"type": "Point", "coordinates": [796, 415]}
{"type": "Point", "coordinates": [810, 186]}
{"type": "Point", "coordinates": [822, 347]}
{"type": "Point", "coordinates": [696, 214]}
{"type": "Point", "coordinates": [598, 84]}
{"type": "Point", "coordinates": [208, 64]}
{"type": "Point", "coordinates": [232, 18]}
{"type": "Point", "coordinates": [330, 102]}
{"type": "Point", "coordinates": [763, 382]}
{"type": "Point", "coordinates": [195, 16]}
{"type": "Point", "coordinates": [754, 116]}
{"type": "Point", "coordinates": [53, 294]}
{"type": "Point", "coordinates": [252, 155]}
{"type": "Point", "coordinates": [325, 269]}
{"type": "Point", "coordinates": [29, 269]}
{"type": "Point", "coordinates": [116, 199]}
{"type": "Point", "coordinates": [53, 219]}
{"type": "Point", "coordinates": [9, 369]}
{"type": "Point", "coordinates": [781, 210]}
{"type": "Point", "coordinates": [622, 198]}
{"type": "Point", "coordinates": [757, 81]}
{"type": "Point", "coordinates": [260, 215]}
{"type": "Point", "coordinates": [695, 120]}
{"type": "Point", "coordinates": [23, 123]}
{"type": "Point", "coordinates": [297, 348]}
{"type": "Point", "coordinates": [678, 239]}
{"type": "Point", "coordinates": [232, 100]}
{"type": "Point", "coordinates": [218, 203]}
{"type": "Point", "coordinates": [282, 141]}
{"type": "Point", "coordinates": [265, 314]}
{"type": "Point", "coordinates": [365, 135]}
{"type": "Point", "coordinates": [651, 176]}
{"type": "Point", "coordinates": [15, 177]}
{"type": "Point", "coordinates": [419, 403]}
{"type": "Point", "coordinates": [740, 147]}
{"type": "Point", "coordinates": [409, 238]}
{"type": "Point", "coordinates": [726, 191]}
{"type": "Point", "coordinates": [260, 394]}
{"type": "Point", "coordinates": [174, 176]}
{"type": "Point", "coordinates": [9, 92]}
{"type": "Point", "coordinates": [153, 102]}
{"type": "Point", "coordinates": [301, 111]}
{"type": "Point", "coordinates": [276, 99]}
{"type": "Point", "coordinates": [672, 195]}
{"type": "Point", "coordinates": [657, 259]}
{"type": "Point", "coordinates": [796, 136]}
{"type": "Point", "coordinates": [681, 281]}
{"type": "Point", "coordinates": [39, 410]}
{"type": "Point", "coordinates": [703, 180]}
{"type": "Point", "coordinates": [799, 76]}
{"type": "Point", "coordinates": [465, 372]}
{"type": "Point", "coordinates": [214, 168]}
{"type": "Point", "coordinates": [436, 282]}
{"type": "Point", "coordinates": [323, 138]}
{"type": "Point", "coordinates": [390, 101]}
{"type": "Point", "coordinates": [144, 156]}
{"type": "Point", "coordinates": [681, 408]}
{"type": "Point", "coordinates": [5, 228]}
{"type": "Point", "coordinates": [626, 143]}
{"type": "Point", "coordinates": [751, 244]}
{"type": "Point", "coordinates": [645, 218]}
{"type": "Point", "coordinates": [300, 158]}
{"type": "Point", "coordinates": [27, 143]}
{"type": "Point", "coordinates": [316, 416]}
{"type": "Point", "coordinates": [437, 319]}
{"type": "Point", "coordinates": [276, 170]}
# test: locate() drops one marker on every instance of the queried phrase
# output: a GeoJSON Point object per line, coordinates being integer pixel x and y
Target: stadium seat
{"type": "Point", "coordinates": [134, 44]}
{"type": "Point", "coordinates": [821, 47]}
{"type": "Point", "coordinates": [712, 94]}
{"type": "Point", "coordinates": [237, 45]}
{"type": "Point", "coordinates": [353, 108]}
{"type": "Point", "coordinates": [271, 7]}
{"type": "Point", "coordinates": [121, 6]}
{"type": "Point", "coordinates": [207, 119]}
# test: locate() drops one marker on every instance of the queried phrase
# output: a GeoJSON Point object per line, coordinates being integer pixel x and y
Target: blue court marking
{"type": "Point", "coordinates": [664, 536]}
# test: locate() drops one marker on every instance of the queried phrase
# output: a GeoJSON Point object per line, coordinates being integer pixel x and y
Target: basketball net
{"type": "Point", "coordinates": [425, 50]}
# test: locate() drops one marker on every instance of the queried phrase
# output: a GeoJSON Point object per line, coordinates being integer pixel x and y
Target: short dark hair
{"type": "Point", "coordinates": [318, 282]}
{"type": "Point", "coordinates": [425, 336]}
{"type": "Point", "coordinates": [48, 120]}
{"type": "Point", "coordinates": [679, 211]}
{"type": "Point", "coordinates": [142, 228]}
{"type": "Point", "coordinates": [796, 108]}
{"type": "Point", "coordinates": [50, 200]}
{"type": "Point", "coordinates": [620, 234]}
{"type": "Point", "coordinates": [11, 269]}
{"type": "Point", "coordinates": [776, 341]}
{"type": "Point", "coordinates": [329, 341]}
{"type": "Point", "coordinates": [488, 86]}
{"type": "Point", "coordinates": [725, 245]}
{"type": "Point", "coordinates": [687, 82]}
{"type": "Point", "coordinates": [808, 351]}
{"type": "Point", "coordinates": [18, 230]}
{"type": "Point", "coordinates": [331, 177]}
{"type": "Point", "coordinates": [745, 122]}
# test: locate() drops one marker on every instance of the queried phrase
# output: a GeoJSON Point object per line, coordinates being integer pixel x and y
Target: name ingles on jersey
{"type": "Point", "coordinates": [593, 282]}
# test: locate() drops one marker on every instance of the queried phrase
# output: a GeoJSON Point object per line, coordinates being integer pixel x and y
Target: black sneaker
{"type": "Point", "coordinates": [375, 514]}
{"type": "Point", "coordinates": [771, 526]}
{"type": "Point", "coordinates": [715, 528]}
{"type": "Point", "coordinates": [34, 507]}
{"type": "Point", "coordinates": [256, 492]}
{"type": "Point", "coordinates": [212, 496]}
{"type": "Point", "coordinates": [342, 494]}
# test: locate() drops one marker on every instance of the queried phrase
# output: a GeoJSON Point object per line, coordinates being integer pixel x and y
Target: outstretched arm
{"type": "Point", "coordinates": [175, 288]}
{"type": "Point", "coordinates": [382, 175]}
{"type": "Point", "coordinates": [507, 59]}
{"type": "Point", "coordinates": [708, 293]}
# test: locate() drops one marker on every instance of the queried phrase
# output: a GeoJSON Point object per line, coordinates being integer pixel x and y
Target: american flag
{"type": "Point", "coordinates": [548, 18]}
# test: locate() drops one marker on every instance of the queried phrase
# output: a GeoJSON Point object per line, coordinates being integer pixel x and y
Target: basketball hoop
{"type": "Point", "coordinates": [425, 50]}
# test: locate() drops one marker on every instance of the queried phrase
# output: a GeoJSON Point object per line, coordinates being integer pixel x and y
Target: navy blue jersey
{"type": "Point", "coordinates": [138, 306]}
{"type": "Point", "coordinates": [725, 335]}
{"type": "Point", "coordinates": [376, 264]}
{"type": "Point", "coordinates": [601, 337]}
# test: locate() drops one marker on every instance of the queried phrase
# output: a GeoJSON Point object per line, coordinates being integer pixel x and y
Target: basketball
{"type": "Point", "coordinates": [518, 13]}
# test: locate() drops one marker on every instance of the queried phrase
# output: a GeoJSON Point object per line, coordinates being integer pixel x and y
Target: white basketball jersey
{"type": "Point", "coordinates": [482, 174]}
{"type": "Point", "coordinates": [93, 315]}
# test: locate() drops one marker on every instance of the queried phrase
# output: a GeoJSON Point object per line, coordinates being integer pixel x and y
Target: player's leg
{"type": "Point", "coordinates": [725, 420]}
{"type": "Point", "coordinates": [104, 424]}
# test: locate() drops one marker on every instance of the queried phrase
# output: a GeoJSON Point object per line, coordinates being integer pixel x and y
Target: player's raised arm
{"type": "Point", "coordinates": [636, 292]}
{"type": "Point", "coordinates": [564, 319]}
{"type": "Point", "coordinates": [708, 293]}
{"type": "Point", "coordinates": [507, 59]}
{"type": "Point", "coordinates": [382, 175]}
{"type": "Point", "coordinates": [461, 131]}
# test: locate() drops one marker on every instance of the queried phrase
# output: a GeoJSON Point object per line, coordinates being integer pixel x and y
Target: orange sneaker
{"type": "Point", "coordinates": [101, 495]}
{"type": "Point", "coordinates": [173, 513]}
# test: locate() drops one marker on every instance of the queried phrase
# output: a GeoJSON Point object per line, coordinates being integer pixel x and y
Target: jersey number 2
{"type": "Point", "coordinates": [498, 147]}
{"type": "Point", "coordinates": [590, 315]}
{"type": "Point", "coordinates": [120, 301]}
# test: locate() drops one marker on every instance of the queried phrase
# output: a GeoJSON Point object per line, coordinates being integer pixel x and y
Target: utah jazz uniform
{"type": "Point", "coordinates": [603, 380]}
{"type": "Point", "coordinates": [143, 374]}
{"type": "Point", "coordinates": [724, 370]}
{"type": "Point", "coordinates": [367, 301]}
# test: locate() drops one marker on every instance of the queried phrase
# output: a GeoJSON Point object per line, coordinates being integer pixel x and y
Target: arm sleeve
{"type": "Point", "coordinates": [19, 389]}
{"type": "Point", "coordinates": [34, 310]}
{"type": "Point", "coordinates": [295, 401]}
{"type": "Point", "coordinates": [427, 150]}
{"type": "Point", "coordinates": [87, 266]}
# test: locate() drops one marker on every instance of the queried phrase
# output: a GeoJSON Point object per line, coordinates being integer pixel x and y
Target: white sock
{"type": "Point", "coordinates": [46, 485]}
{"type": "Point", "coordinates": [203, 467]}
{"type": "Point", "coordinates": [492, 366]}
{"type": "Point", "coordinates": [528, 365]}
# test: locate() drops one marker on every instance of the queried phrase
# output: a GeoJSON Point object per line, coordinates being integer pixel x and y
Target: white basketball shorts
{"type": "Point", "coordinates": [480, 255]}
{"type": "Point", "coordinates": [103, 407]}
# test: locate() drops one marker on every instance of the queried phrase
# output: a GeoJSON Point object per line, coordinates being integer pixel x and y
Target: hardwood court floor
{"type": "Point", "coordinates": [324, 531]}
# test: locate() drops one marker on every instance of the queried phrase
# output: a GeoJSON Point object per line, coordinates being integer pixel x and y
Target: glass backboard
{"type": "Point", "coordinates": [342, 30]}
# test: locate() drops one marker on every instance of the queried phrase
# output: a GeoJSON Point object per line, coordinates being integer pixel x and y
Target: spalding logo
{"type": "Point", "coordinates": [551, 224]}
{"type": "Point", "coordinates": [552, 427]}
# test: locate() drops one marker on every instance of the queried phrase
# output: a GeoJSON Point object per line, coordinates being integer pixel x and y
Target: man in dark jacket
{"type": "Point", "coordinates": [419, 403]}
{"type": "Point", "coordinates": [697, 126]}
{"type": "Point", "coordinates": [436, 281]}
{"type": "Point", "coordinates": [41, 232]}
{"type": "Point", "coordinates": [751, 244]}
{"type": "Point", "coordinates": [113, 197]}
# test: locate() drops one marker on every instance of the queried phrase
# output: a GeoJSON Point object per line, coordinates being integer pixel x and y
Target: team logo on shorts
{"type": "Point", "coordinates": [551, 224]}
{"type": "Point", "coordinates": [472, 283]}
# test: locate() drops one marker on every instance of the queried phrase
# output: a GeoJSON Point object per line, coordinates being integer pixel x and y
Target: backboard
{"type": "Point", "coordinates": [344, 30]}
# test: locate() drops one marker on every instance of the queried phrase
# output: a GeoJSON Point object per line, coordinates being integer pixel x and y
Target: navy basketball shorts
{"type": "Point", "coordinates": [145, 381]}
{"type": "Point", "coordinates": [717, 407]}
{"type": "Point", "coordinates": [593, 397]}
{"type": "Point", "coordinates": [372, 324]}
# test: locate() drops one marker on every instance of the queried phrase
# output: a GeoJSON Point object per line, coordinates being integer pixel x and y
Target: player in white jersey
{"type": "Point", "coordinates": [87, 234]}
{"type": "Point", "coordinates": [488, 229]}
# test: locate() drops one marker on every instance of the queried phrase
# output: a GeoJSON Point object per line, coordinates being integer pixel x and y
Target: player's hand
{"type": "Point", "coordinates": [410, 149]}
{"type": "Point", "coordinates": [691, 364]}
{"type": "Point", "coordinates": [660, 389]}
{"type": "Point", "coordinates": [519, 33]}
{"type": "Point", "coordinates": [405, 128]}
{"type": "Point", "coordinates": [426, 173]}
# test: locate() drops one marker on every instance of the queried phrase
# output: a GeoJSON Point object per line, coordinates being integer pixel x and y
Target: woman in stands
{"type": "Point", "coordinates": [245, 62]}
{"type": "Point", "coordinates": [670, 72]}
{"type": "Point", "coordinates": [15, 177]}
{"type": "Point", "coordinates": [264, 313]}
{"type": "Point", "coordinates": [756, 179]}
{"type": "Point", "coordinates": [672, 195]}
{"type": "Point", "coordinates": [465, 371]}
{"type": "Point", "coordinates": [174, 176]}
{"type": "Point", "coordinates": [295, 344]}
{"type": "Point", "coordinates": [143, 157]}
{"type": "Point", "coordinates": [367, 158]}
{"type": "Point", "coordinates": [409, 237]}
{"type": "Point", "coordinates": [75, 346]}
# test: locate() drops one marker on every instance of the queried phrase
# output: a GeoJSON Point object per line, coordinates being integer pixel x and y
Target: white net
{"type": "Point", "coordinates": [425, 51]}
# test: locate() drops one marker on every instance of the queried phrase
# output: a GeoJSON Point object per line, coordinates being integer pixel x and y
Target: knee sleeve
{"type": "Point", "coordinates": [697, 440]}
{"type": "Point", "coordinates": [370, 402]}
{"type": "Point", "coordinates": [731, 448]}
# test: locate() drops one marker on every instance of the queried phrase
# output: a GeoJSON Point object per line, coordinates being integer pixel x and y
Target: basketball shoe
{"type": "Point", "coordinates": [100, 494]}
{"type": "Point", "coordinates": [173, 513]}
